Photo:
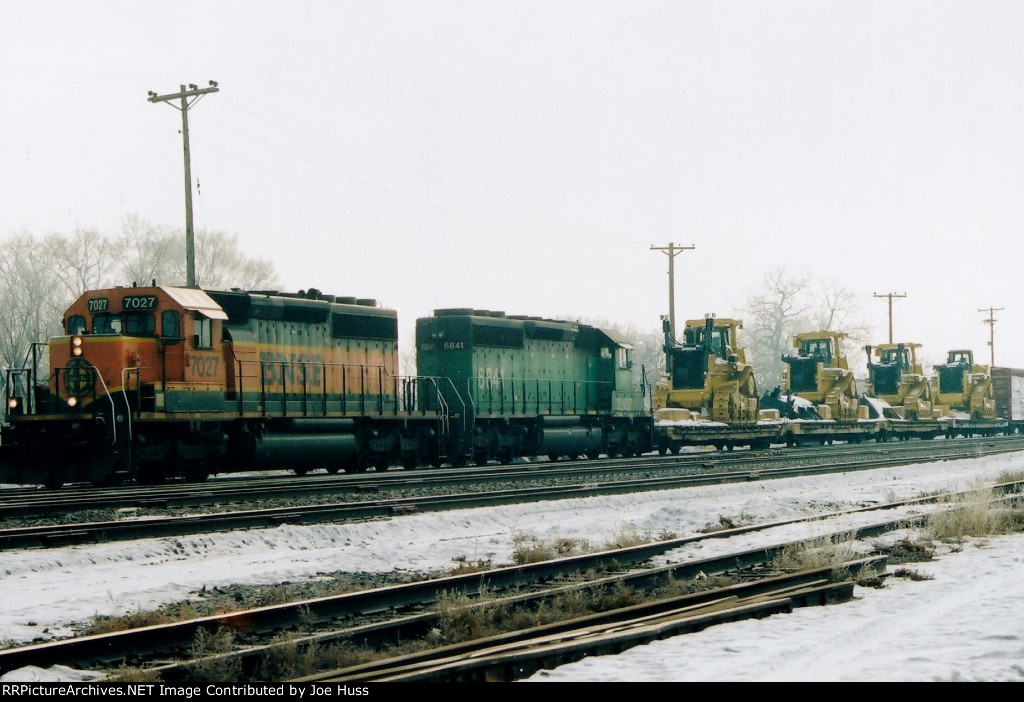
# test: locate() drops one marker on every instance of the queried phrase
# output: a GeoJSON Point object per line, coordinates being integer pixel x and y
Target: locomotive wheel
{"type": "Point", "coordinates": [150, 474]}
{"type": "Point", "coordinates": [593, 455]}
{"type": "Point", "coordinates": [54, 479]}
{"type": "Point", "coordinates": [553, 457]}
{"type": "Point", "coordinates": [300, 471]}
{"type": "Point", "coordinates": [196, 473]}
{"type": "Point", "coordinates": [334, 469]}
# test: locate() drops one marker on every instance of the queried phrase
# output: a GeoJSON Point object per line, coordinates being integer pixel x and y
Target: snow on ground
{"type": "Point", "coordinates": [907, 631]}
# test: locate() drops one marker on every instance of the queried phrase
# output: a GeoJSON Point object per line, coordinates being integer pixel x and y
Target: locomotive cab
{"type": "Point", "coordinates": [145, 345]}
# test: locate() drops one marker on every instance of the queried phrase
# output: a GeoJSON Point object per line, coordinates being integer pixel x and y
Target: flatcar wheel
{"type": "Point", "coordinates": [593, 455]}
{"type": "Point", "coordinates": [302, 470]}
{"type": "Point", "coordinates": [662, 449]}
{"type": "Point", "coordinates": [334, 470]}
{"type": "Point", "coordinates": [553, 457]}
{"type": "Point", "coordinates": [410, 461]}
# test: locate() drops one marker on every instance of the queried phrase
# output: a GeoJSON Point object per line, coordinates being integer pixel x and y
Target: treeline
{"type": "Point", "coordinates": [41, 275]}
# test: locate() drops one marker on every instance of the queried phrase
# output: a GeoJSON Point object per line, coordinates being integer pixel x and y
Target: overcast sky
{"type": "Point", "coordinates": [524, 156]}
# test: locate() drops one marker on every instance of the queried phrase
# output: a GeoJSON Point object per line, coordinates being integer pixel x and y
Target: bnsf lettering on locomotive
{"type": "Point", "coordinates": [139, 302]}
{"type": "Point", "coordinates": [278, 367]}
{"type": "Point", "coordinates": [99, 304]}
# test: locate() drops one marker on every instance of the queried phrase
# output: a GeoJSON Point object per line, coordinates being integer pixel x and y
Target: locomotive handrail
{"type": "Point", "coordinates": [125, 373]}
{"type": "Point", "coordinates": [292, 381]}
{"type": "Point", "coordinates": [494, 395]}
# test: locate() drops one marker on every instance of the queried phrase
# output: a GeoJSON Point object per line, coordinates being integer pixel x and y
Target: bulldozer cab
{"type": "Point", "coordinates": [818, 349]}
{"type": "Point", "coordinates": [960, 357]}
{"type": "Point", "coordinates": [716, 338]}
{"type": "Point", "coordinates": [703, 339]}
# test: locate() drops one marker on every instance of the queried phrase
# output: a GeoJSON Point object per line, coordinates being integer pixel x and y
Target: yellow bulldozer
{"type": "Point", "coordinates": [820, 373]}
{"type": "Point", "coordinates": [707, 374]}
{"type": "Point", "coordinates": [960, 386]}
{"type": "Point", "coordinates": [898, 379]}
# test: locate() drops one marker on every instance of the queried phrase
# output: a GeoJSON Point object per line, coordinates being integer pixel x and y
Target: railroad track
{"type": "Point", "coordinates": [50, 535]}
{"type": "Point", "coordinates": [220, 494]}
{"type": "Point", "coordinates": [405, 603]}
{"type": "Point", "coordinates": [509, 657]}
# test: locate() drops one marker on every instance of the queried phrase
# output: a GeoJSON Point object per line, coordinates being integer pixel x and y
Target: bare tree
{"type": "Point", "coordinates": [40, 278]}
{"type": "Point", "coordinates": [83, 261]}
{"type": "Point", "coordinates": [30, 298]}
{"type": "Point", "coordinates": [839, 309]}
{"type": "Point", "coordinates": [771, 318]}
{"type": "Point", "coordinates": [147, 253]}
{"type": "Point", "coordinates": [220, 263]}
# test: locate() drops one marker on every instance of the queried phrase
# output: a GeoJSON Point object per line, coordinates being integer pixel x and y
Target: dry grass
{"type": "Point", "coordinates": [828, 551]}
{"type": "Point", "coordinates": [208, 666]}
{"type": "Point", "coordinates": [974, 516]}
{"type": "Point", "coordinates": [464, 566]}
{"type": "Point", "coordinates": [911, 575]}
{"type": "Point", "coordinates": [176, 612]}
{"type": "Point", "coordinates": [127, 674]}
{"type": "Point", "coordinates": [529, 548]}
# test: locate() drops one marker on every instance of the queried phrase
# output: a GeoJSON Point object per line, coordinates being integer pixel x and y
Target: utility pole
{"type": "Point", "coordinates": [672, 250]}
{"type": "Point", "coordinates": [991, 322]}
{"type": "Point", "coordinates": [891, 296]}
{"type": "Point", "coordinates": [194, 92]}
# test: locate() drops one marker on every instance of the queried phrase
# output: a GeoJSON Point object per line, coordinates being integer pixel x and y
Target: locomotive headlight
{"type": "Point", "coordinates": [12, 403]}
{"type": "Point", "coordinates": [76, 346]}
{"type": "Point", "coordinates": [72, 401]}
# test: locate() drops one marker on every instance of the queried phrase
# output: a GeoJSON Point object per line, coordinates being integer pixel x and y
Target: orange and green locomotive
{"type": "Point", "coordinates": [154, 382]}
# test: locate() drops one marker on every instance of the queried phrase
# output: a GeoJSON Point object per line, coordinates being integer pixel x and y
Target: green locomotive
{"type": "Point", "coordinates": [525, 386]}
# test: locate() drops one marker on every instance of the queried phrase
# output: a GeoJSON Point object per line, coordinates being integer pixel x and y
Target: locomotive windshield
{"type": "Point", "coordinates": [106, 324]}
{"type": "Point", "coordinates": [131, 323]}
